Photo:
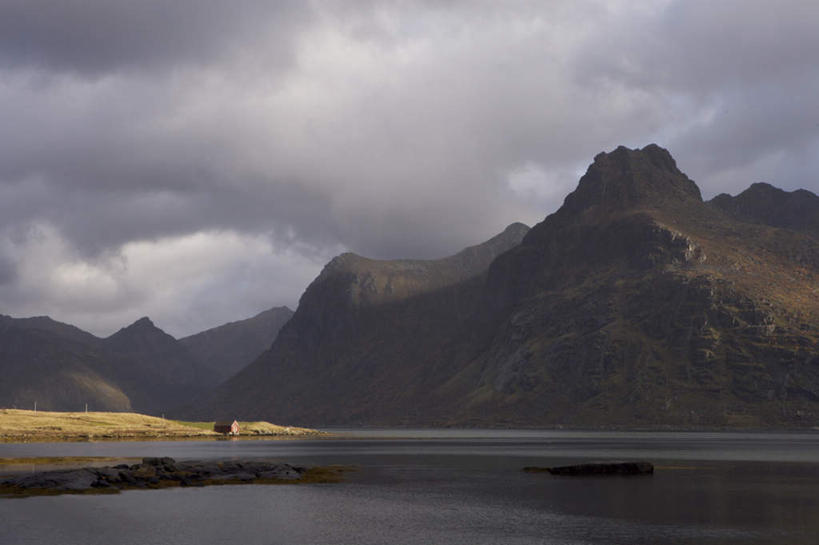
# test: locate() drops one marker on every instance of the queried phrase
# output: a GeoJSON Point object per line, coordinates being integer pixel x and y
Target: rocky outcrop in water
{"type": "Point", "coordinates": [151, 473]}
{"type": "Point", "coordinates": [597, 469]}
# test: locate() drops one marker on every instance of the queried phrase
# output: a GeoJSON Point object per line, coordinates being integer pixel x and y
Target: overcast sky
{"type": "Point", "coordinates": [198, 161]}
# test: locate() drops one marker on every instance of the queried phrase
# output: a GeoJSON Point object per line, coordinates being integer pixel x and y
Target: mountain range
{"type": "Point", "coordinates": [140, 367]}
{"type": "Point", "coordinates": [636, 304]}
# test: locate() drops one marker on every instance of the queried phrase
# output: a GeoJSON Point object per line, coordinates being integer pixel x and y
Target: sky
{"type": "Point", "coordinates": [199, 161]}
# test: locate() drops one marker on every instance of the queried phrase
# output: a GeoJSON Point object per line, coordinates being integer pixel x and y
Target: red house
{"type": "Point", "coordinates": [226, 428]}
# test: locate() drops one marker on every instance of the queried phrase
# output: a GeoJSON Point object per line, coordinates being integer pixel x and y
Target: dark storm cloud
{"type": "Point", "coordinates": [95, 37]}
{"type": "Point", "coordinates": [151, 153]}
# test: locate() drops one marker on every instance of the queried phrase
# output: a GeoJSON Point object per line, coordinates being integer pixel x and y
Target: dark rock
{"type": "Point", "coordinates": [153, 473]}
{"type": "Point", "coordinates": [158, 462]}
{"type": "Point", "coordinates": [109, 474]}
{"type": "Point", "coordinates": [603, 468]}
{"type": "Point", "coordinates": [283, 472]}
{"type": "Point", "coordinates": [65, 480]}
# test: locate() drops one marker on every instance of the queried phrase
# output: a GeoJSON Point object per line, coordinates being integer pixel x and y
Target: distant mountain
{"type": "Point", "coordinates": [769, 205]}
{"type": "Point", "coordinates": [635, 304]}
{"type": "Point", "coordinates": [140, 367]}
{"type": "Point", "coordinates": [155, 369]}
{"type": "Point", "coordinates": [55, 365]}
{"type": "Point", "coordinates": [226, 349]}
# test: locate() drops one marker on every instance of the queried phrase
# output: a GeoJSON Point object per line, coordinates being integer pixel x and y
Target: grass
{"type": "Point", "coordinates": [26, 426]}
{"type": "Point", "coordinates": [208, 426]}
{"type": "Point", "coordinates": [258, 428]}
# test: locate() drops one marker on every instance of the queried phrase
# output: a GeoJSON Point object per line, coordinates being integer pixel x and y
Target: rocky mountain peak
{"type": "Point", "coordinates": [140, 331]}
{"type": "Point", "coordinates": [759, 195]}
{"type": "Point", "coordinates": [768, 205]}
{"type": "Point", "coordinates": [143, 323]}
{"type": "Point", "coordinates": [632, 178]}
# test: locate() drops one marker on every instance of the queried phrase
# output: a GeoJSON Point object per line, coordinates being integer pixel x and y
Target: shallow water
{"type": "Point", "coordinates": [454, 486]}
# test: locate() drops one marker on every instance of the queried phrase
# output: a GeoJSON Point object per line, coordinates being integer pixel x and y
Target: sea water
{"type": "Point", "coordinates": [453, 487]}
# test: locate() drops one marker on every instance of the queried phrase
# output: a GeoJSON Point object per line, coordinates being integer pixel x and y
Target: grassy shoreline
{"type": "Point", "coordinates": [23, 426]}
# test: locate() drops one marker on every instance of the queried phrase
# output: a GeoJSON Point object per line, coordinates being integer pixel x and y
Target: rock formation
{"type": "Point", "coordinates": [157, 473]}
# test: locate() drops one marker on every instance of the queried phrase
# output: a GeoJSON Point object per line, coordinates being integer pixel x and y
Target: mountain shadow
{"type": "Point", "coordinates": [227, 349]}
{"type": "Point", "coordinates": [60, 367]}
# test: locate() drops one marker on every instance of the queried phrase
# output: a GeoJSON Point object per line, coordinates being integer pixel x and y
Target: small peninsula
{"type": "Point", "coordinates": [24, 426]}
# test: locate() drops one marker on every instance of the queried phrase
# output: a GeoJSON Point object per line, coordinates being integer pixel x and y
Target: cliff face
{"type": "Point", "coordinates": [635, 304]}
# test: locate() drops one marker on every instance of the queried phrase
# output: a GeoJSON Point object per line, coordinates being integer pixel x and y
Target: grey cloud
{"type": "Point", "coordinates": [8, 270]}
{"type": "Point", "coordinates": [97, 36]}
{"type": "Point", "coordinates": [734, 80]}
{"type": "Point", "coordinates": [387, 128]}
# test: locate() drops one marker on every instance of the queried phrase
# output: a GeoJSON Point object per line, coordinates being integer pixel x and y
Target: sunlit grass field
{"type": "Point", "coordinates": [23, 425]}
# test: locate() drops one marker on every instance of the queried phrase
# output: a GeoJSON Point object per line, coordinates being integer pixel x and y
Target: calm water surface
{"type": "Point", "coordinates": [453, 487]}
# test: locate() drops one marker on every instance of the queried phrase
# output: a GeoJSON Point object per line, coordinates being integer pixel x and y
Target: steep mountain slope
{"type": "Point", "coordinates": [636, 304]}
{"type": "Point", "coordinates": [647, 307]}
{"type": "Point", "coordinates": [56, 365]}
{"type": "Point", "coordinates": [364, 337]}
{"type": "Point", "coordinates": [226, 349]}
